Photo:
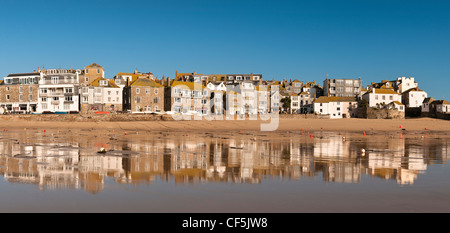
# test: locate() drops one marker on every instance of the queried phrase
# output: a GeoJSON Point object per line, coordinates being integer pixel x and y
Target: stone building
{"type": "Point", "coordinates": [19, 92]}
{"type": "Point", "coordinates": [143, 96]}
{"type": "Point", "coordinates": [91, 73]}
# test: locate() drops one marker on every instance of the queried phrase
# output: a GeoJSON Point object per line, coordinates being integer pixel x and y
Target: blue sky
{"type": "Point", "coordinates": [305, 40]}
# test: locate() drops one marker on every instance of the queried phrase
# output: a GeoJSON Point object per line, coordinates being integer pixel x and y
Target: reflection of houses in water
{"type": "Point", "coordinates": [189, 162]}
{"type": "Point", "coordinates": [392, 159]}
{"type": "Point", "coordinates": [76, 165]}
{"type": "Point", "coordinates": [336, 158]}
{"type": "Point", "coordinates": [51, 165]}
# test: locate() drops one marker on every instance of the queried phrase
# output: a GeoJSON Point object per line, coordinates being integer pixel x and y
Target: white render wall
{"type": "Point", "coordinates": [407, 83]}
{"type": "Point", "coordinates": [335, 109]}
{"type": "Point", "coordinates": [47, 102]}
{"type": "Point", "coordinates": [375, 99]}
{"type": "Point", "coordinates": [416, 98]}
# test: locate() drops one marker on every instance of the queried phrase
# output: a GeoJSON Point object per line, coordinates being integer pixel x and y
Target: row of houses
{"type": "Point", "coordinates": [89, 91]}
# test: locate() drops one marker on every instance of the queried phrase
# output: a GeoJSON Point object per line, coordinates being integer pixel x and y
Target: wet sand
{"type": "Point", "coordinates": [200, 126]}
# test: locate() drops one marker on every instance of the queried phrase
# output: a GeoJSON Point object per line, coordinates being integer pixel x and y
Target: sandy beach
{"type": "Point", "coordinates": [284, 124]}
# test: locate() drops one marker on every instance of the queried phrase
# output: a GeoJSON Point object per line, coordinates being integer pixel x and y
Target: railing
{"type": "Point", "coordinates": [69, 81]}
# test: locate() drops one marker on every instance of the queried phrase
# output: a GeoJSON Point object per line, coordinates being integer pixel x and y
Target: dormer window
{"type": "Point", "coordinates": [103, 82]}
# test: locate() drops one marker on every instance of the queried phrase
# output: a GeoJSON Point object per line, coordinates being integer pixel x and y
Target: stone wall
{"type": "Point", "coordinates": [372, 113]}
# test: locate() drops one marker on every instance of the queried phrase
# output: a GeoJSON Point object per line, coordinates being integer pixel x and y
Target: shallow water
{"type": "Point", "coordinates": [252, 172]}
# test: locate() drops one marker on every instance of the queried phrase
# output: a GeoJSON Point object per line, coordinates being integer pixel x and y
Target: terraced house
{"type": "Point", "coordinates": [91, 73]}
{"type": "Point", "coordinates": [186, 98]}
{"type": "Point", "coordinates": [58, 91]}
{"type": "Point", "coordinates": [101, 95]}
{"type": "Point", "coordinates": [19, 93]}
{"type": "Point", "coordinates": [143, 96]}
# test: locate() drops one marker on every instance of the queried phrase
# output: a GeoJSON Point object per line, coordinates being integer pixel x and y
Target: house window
{"type": "Point", "coordinates": [44, 99]}
{"type": "Point", "coordinates": [20, 89]}
{"type": "Point", "coordinates": [376, 97]}
{"type": "Point", "coordinates": [69, 90]}
{"type": "Point", "coordinates": [55, 98]}
{"type": "Point", "coordinates": [147, 108]}
{"type": "Point", "coordinates": [137, 90]}
{"type": "Point", "coordinates": [7, 88]}
{"type": "Point", "coordinates": [147, 90]}
{"type": "Point", "coordinates": [85, 99]}
{"type": "Point", "coordinates": [68, 98]}
{"type": "Point", "coordinates": [155, 100]}
{"type": "Point", "coordinates": [156, 90]}
{"type": "Point", "coordinates": [66, 106]}
{"type": "Point", "coordinates": [30, 97]}
{"type": "Point", "coordinates": [86, 79]}
{"type": "Point", "coordinates": [44, 106]}
{"type": "Point", "coordinates": [391, 97]}
{"type": "Point", "coordinates": [138, 99]}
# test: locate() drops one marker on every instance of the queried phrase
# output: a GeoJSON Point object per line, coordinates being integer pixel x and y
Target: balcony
{"type": "Point", "coordinates": [55, 102]}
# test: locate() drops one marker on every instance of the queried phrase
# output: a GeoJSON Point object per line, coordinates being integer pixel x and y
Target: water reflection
{"type": "Point", "coordinates": [69, 160]}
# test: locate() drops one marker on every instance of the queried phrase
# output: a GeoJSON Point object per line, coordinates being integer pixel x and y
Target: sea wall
{"type": "Point", "coordinates": [384, 114]}
{"type": "Point", "coordinates": [118, 117]}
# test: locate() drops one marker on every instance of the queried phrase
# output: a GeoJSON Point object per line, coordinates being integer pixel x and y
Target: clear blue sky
{"type": "Point", "coordinates": [303, 40]}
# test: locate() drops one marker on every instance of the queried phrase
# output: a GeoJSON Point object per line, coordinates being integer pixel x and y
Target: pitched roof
{"type": "Point", "coordinates": [96, 83]}
{"type": "Point", "coordinates": [325, 99]}
{"type": "Point", "coordinates": [385, 91]}
{"type": "Point", "coordinates": [412, 89]}
{"type": "Point", "coordinates": [190, 85]}
{"type": "Point", "coordinates": [145, 82]}
{"type": "Point", "coordinates": [441, 102]}
{"type": "Point", "coordinates": [94, 65]}
{"type": "Point", "coordinates": [397, 102]}
{"type": "Point", "coordinates": [428, 100]}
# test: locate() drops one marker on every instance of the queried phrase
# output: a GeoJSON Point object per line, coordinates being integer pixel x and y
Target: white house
{"type": "Point", "coordinates": [443, 106]}
{"type": "Point", "coordinates": [396, 105]}
{"type": "Point", "coordinates": [336, 107]}
{"type": "Point", "coordinates": [101, 95]}
{"type": "Point", "coordinates": [379, 97]}
{"type": "Point", "coordinates": [403, 84]}
{"type": "Point", "coordinates": [58, 91]}
{"type": "Point", "coordinates": [414, 97]}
